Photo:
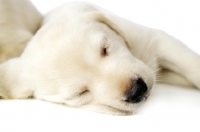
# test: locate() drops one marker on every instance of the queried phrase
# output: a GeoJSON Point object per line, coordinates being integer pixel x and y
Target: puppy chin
{"type": "Point", "coordinates": [105, 109]}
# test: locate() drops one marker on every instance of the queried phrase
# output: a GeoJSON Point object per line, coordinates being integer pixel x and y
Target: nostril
{"type": "Point", "coordinates": [142, 85]}
{"type": "Point", "coordinates": [137, 91]}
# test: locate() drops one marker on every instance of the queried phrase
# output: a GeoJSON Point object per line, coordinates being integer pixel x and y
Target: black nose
{"type": "Point", "coordinates": [137, 91]}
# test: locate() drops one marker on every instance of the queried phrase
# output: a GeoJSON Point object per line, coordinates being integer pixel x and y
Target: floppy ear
{"type": "Point", "coordinates": [100, 17]}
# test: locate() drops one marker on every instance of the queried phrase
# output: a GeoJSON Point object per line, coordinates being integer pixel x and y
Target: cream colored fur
{"type": "Point", "coordinates": [65, 61]}
{"type": "Point", "coordinates": [19, 21]}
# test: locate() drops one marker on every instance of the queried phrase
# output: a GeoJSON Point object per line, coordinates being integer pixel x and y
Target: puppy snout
{"type": "Point", "coordinates": [137, 91]}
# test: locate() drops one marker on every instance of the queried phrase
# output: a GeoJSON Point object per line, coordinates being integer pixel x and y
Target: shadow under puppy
{"type": "Point", "coordinates": [85, 57]}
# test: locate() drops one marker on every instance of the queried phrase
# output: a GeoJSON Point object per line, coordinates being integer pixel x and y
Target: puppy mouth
{"type": "Point", "coordinates": [129, 107]}
{"type": "Point", "coordinates": [125, 112]}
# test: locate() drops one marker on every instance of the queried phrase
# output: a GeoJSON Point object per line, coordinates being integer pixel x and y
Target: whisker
{"type": "Point", "coordinates": [159, 76]}
{"type": "Point", "coordinates": [153, 60]}
{"type": "Point", "coordinates": [157, 70]}
{"type": "Point", "coordinates": [144, 55]}
{"type": "Point", "coordinates": [140, 50]}
{"type": "Point", "coordinates": [149, 51]}
{"type": "Point", "coordinates": [159, 65]}
{"type": "Point", "coordinates": [157, 80]}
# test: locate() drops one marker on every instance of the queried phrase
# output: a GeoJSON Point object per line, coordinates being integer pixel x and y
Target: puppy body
{"type": "Point", "coordinates": [86, 57]}
{"type": "Point", "coordinates": [19, 22]}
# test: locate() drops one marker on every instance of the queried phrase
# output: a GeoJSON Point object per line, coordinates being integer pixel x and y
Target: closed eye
{"type": "Point", "coordinates": [104, 51]}
{"type": "Point", "coordinates": [80, 98]}
{"type": "Point", "coordinates": [104, 48]}
{"type": "Point", "coordinates": [83, 92]}
{"type": "Point", "coordinates": [79, 94]}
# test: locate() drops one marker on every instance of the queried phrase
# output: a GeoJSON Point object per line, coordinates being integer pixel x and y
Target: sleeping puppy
{"type": "Point", "coordinates": [86, 57]}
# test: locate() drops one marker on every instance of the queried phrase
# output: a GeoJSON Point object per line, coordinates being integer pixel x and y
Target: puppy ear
{"type": "Point", "coordinates": [100, 17]}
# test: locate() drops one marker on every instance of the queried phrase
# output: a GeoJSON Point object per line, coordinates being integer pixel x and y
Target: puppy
{"type": "Point", "coordinates": [86, 57]}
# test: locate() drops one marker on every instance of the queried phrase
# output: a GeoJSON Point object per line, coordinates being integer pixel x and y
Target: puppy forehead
{"type": "Point", "coordinates": [85, 40]}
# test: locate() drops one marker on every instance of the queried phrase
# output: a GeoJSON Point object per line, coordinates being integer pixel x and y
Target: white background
{"type": "Point", "coordinates": [169, 109]}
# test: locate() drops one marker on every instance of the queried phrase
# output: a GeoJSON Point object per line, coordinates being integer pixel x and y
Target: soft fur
{"type": "Point", "coordinates": [86, 57]}
{"type": "Point", "coordinates": [19, 21]}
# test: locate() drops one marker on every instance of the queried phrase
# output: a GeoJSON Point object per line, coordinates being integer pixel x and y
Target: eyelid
{"type": "Point", "coordinates": [104, 47]}
{"type": "Point", "coordinates": [78, 94]}
{"type": "Point", "coordinates": [83, 92]}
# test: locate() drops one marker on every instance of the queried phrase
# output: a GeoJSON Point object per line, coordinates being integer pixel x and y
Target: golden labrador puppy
{"type": "Point", "coordinates": [86, 57]}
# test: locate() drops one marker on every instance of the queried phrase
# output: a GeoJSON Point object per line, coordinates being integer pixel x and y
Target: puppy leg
{"type": "Point", "coordinates": [12, 83]}
{"type": "Point", "coordinates": [176, 57]}
{"type": "Point", "coordinates": [173, 78]}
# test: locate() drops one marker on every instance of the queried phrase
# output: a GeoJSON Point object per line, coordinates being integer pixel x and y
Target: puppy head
{"type": "Point", "coordinates": [85, 62]}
